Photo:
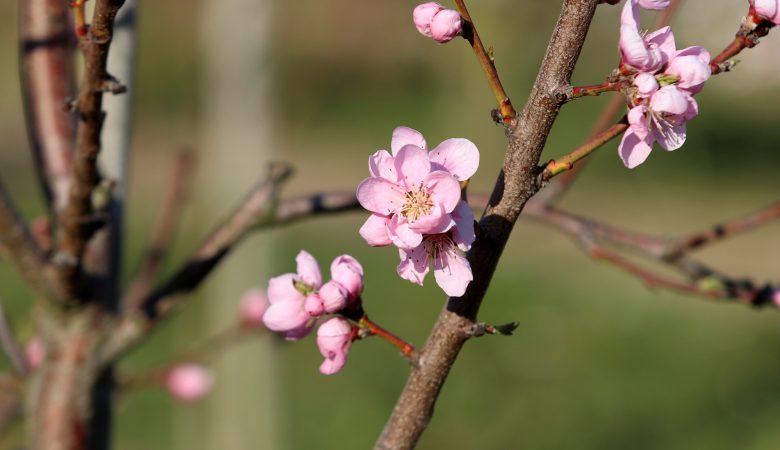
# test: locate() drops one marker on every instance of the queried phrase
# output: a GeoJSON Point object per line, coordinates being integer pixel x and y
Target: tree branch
{"type": "Point", "coordinates": [515, 186]}
{"type": "Point", "coordinates": [10, 345]}
{"type": "Point", "coordinates": [75, 224]}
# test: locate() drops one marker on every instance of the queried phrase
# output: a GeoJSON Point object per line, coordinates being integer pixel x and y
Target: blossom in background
{"type": "Point", "coordinates": [334, 339]}
{"type": "Point", "coordinates": [767, 9]}
{"type": "Point", "coordinates": [413, 195]}
{"type": "Point", "coordinates": [189, 382]}
{"type": "Point", "coordinates": [34, 352]}
{"type": "Point", "coordinates": [253, 305]}
{"type": "Point", "coordinates": [435, 21]}
{"type": "Point", "coordinates": [664, 81]}
{"type": "Point", "coordinates": [654, 4]}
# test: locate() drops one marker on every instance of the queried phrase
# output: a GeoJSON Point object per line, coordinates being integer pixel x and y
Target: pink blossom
{"type": "Point", "coordinates": [334, 338]}
{"type": "Point", "coordinates": [692, 66]}
{"type": "Point", "coordinates": [348, 272]}
{"type": "Point", "coordinates": [413, 192]}
{"type": "Point", "coordinates": [293, 296]}
{"type": "Point", "coordinates": [776, 297]}
{"type": "Point", "coordinates": [253, 305]}
{"type": "Point", "coordinates": [423, 16]}
{"type": "Point", "coordinates": [654, 4]}
{"type": "Point", "coordinates": [644, 53]}
{"type": "Point", "coordinates": [768, 9]}
{"type": "Point", "coordinates": [34, 352]}
{"type": "Point", "coordinates": [661, 119]}
{"type": "Point", "coordinates": [446, 25]}
{"type": "Point", "coordinates": [445, 252]}
{"type": "Point", "coordinates": [189, 382]}
{"type": "Point", "coordinates": [435, 21]}
{"type": "Point", "coordinates": [334, 296]}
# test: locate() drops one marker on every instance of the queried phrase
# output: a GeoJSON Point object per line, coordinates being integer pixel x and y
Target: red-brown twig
{"type": "Point", "coordinates": [753, 27]}
{"type": "Point", "coordinates": [162, 233]}
{"type": "Point", "coordinates": [75, 226]}
{"type": "Point", "coordinates": [594, 90]}
{"type": "Point", "coordinates": [505, 108]}
{"type": "Point", "coordinates": [47, 85]}
{"type": "Point", "coordinates": [406, 349]}
{"type": "Point", "coordinates": [566, 162]}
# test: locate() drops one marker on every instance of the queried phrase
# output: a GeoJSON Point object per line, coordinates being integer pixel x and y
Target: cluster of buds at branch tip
{"type": "Point", "coordinates": [437, 22]}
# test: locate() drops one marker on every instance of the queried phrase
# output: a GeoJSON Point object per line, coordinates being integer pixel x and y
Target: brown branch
{"type": "Point", "coordinates": [46, 72]}
{"type": "Point", "coordinates": [724, 230]}
{"type": "Point", "coordinates": [555, 190]}
{"type": "Point", "coordinates": [505, 108]}
{"type": "Point", "coordinates": [75, 224]}
{"type": "Point", "coordinates": [162, 233]}
{"type": "Point", "coordinates": [516, 184]}
{"type": "Point", "coordinates": [255, 211]}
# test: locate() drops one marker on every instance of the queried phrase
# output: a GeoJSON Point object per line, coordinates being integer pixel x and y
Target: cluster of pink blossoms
{"type": "Point", "coordinates": [298, 300]}
{"type": "Point", "coordinates": [767, 9]}
{"type": "Point", "coordinates": [414, 196]}
{"type": "Point", "coordinates": [664, 81]}
{"type": "Point", "coordinates": [437, 22]}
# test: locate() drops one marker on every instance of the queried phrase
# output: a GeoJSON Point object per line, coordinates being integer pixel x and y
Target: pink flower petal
{"type": "Point", "coordinates": [444, 189]}
{"type": "Point", "coordinates": [349, 273]}
{"type": "Point", "coordinates": [380, 196]}
{"type": "Point", "coordinates": [308, 269]}
{"type": "Point", "coordinates": [654, 4]}
{"type": "Point", "coordinates": [670, 137]}
{"type": "Point", "coordinates": [446, 24]}
{"type": "Point", "coordinates": [374, 231]}
{"type": "Point", "coordinates": [314, 305]}
{"type": "Point", "coordinates": [382, 165]}
{"type": "Point", "coordinates": [334, 296]}
{"type": "Point", "coordinates": [633, 149]}
{"type": "Point", "coordinates": [301, 331]}
{"type": "Point", "coordinates": [282, 289]}
{"type": "Point", "coordinates": [768, 9]}
{"type": "Point", "coordinates": [401, 233]}
{"type": "Point", "coordinates": [334, 339]}
{"type": "Point", "coordinates": [663, 40]}
{"type": "Point", "coordinates": [422, 16]}
{"type": "Point", "coordinates": [669, 100]}
{"type": "Point", "coordinates": [646, 84]}
{"type": "Point", "coordinates": [403, 136]}
{"type": "Point", "coordinates": [692, 65]}
{"type": "Point", "coordinates": [452, 271]}
{"type": "Point", "coordinates": [414, 264]}
{"type": "Point", "coordinates": [460, 157]}
{"type": "Point", "coordinates": [412, 165]}
{"type": "Point", "coordinates": [285, 316]}
{"type": "Point", "coordinates": [463, 233]}
{"type": "Point", "coordinates": [436, 221]}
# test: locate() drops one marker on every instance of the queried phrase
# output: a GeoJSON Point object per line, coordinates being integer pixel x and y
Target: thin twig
{"type": "Point", "coordinates": [505, 107]}
{"type": "Point", "coordinates": [162, 234]}
{"type": "Point", "coordinates": [750, 31]}
{"type": "Point", "coordinates": [10, 345]}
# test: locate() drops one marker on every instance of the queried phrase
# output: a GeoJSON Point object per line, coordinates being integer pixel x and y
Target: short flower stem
{"type": "Point", "coordinates": [557, 166]}
{"type": "Point", "coordinates": [505, 107]}
{"type": "Point", "coordinates": [78, 17]}
{"type": "Point", "coordinates": [593, 90]}
{"type": "Point", "coordinates": [747, 37]}
{"type": "Point", "coordinates": [406, 348]}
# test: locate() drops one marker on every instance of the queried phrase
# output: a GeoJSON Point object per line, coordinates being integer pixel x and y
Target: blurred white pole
{"type": "Point", "coordinates": [235, 144]}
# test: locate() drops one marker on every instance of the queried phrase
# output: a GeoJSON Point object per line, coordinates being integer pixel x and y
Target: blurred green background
{"type": "Point", "coordinates": [599, 361]}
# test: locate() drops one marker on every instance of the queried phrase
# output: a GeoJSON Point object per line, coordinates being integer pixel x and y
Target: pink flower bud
{"type": "Point", "coordinates": [768, 9]}
{"type": "Point", "coordinates": [34, 352]}
{"type": "Point", "coordinates": [313, 305]}
{"type": "Point", "coordinates": [252, 307]}
{"type": "Point", "coordinates": [423, 16]}
{"type": "Point", "coordinates": [334, 296]}
{"type": "Point", "coordinates": [334, 338]}
{"type": "Point", "coordinates": [645, 84]}
{"type": "Point", "coordinates": [189, 382]}
{"type": "Point", "coordinates": [285, 316]}
{"type": "Point", "coordinates": [349, 273]}
{"type": "Point", "coordinates": [776, 298]}
{"type": "Point", "coordinates": [446, 25]}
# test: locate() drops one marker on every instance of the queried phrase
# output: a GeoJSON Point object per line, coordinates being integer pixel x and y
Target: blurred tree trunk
{"type": "Point", "coordinates": [236, 143]}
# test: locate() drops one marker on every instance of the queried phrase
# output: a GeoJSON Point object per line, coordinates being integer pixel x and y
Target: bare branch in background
{"type": "Point", "coordinates": [162, 233]}
{"type": "Point", "coordinates": [9, 343]}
